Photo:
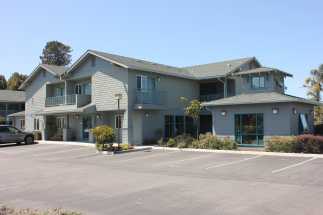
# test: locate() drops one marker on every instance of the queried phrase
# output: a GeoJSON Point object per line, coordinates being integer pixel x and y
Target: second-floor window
{"type": "Point", "coordinates": [258, 82]}
{"type": "Point", "coordinates": [59, 91]}
{"type": "Point", "coordinates": [145, 83]}
{"type": "Point", "coordinates": [84, 88]}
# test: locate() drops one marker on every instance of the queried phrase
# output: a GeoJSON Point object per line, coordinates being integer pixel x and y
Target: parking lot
{"type": "Point", "coordinates": [158, 182]}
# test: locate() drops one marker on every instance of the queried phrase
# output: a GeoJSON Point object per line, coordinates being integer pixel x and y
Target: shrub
{"type": "Point", "coordinates": [282, 144]}
{"type": "Point", "coordinates": [171, 142]}
{"type": "Point", "coordinates": [184, 140]}
{"type": "Point", "coordinates": [27, 211]}
{"type": "Point", "coordinates": [310, 144]}
{"type": "Point", "coordinates": [161, 142]}
{"type": "Point", "coordinates": [209, 141]}
{"type": "Point", "coordinates": [37, 135]}
{"type": "Point", "coordinates": [104, 135]}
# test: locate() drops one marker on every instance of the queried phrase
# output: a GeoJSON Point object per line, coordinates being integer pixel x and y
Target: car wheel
{"type": "Point", "coordinates": [29, 140]}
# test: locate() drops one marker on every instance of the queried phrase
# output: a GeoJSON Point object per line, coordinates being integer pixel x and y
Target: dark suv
{"type": "Point", "coordinates": [10, 134]}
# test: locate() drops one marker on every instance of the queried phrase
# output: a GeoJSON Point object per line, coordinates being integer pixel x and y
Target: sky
{"type": "Point", "coordinates": [283, 34]}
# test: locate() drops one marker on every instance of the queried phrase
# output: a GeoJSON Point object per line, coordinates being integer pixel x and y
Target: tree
{"type": "Point", "coordinates": [56, 53]}
{"type": "Point", "coordinates": [15, 81]}
{"type": "Point", "coordinates": [3, 82]}
{"type": "Point", "coordinates": [314, 88]}
{"type": "Point", "coordinates": [193, 109]}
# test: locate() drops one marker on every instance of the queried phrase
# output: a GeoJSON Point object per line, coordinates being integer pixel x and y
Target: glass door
{"type": "Point", "coordinates": [87, 125]}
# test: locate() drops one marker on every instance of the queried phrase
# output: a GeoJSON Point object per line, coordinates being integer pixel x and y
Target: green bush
{"type": "Point", "coordinates": [171, 142]}
{"type": "Point", "coordinates": [103, 135]}
{"type": "Point", "coordinates": [308, 143]}
{"type": "Point", "coordinates": [209, 141]}
{"type": "Point", "coordinates": [161, 142]}
{"type": "Point", "coordinates": [281, 144]}
{"type": "Point", "coordinates": [125, 146]}
{"type": "Point", "coordinates": [184, 140]}
{"type": "Point", "coordinates": [37, 135]}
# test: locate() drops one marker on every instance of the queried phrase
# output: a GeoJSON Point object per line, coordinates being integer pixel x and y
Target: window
{"type": "Point", "coordinates": [249, 129]}
{"type": "Point", "coordinates": [4, 129]}
{"type": "Point", "coordinates": [3, 107]}
{"type": "Point", "coordinates": [22, 124]}
{"type": "Point", "coordinates": [169, 126]}
{"type": "Point", "coordinates": [146, 83]}
{"type": "Point", "coordinates": [36, 124]}
{"type": "Point", "coordinates": [60, 122]}
{"type": "Point", "coordinates": [59, 91]}
{"type": "Point", "coordinates": [14, 107]}
{"type": "Point", "coordinates": [13, 130]}
{"type": "Point", "coordinates": [258, 82]}
{"type": "Point", "coordinates": [84, 88]}
{"type": "Point", "coordinates": [303, 126]}
{"type": "Point", "coordinates": [118, 121]}
{"type": "Point", "coordinates": [176, 125]}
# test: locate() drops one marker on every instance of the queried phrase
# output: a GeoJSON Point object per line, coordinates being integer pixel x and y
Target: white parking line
{"type": "Point", "coordinates": [177, 162]}
{"type": "Point", "coordinates": [148, 156]}
{"type": "Point", "coordinates": [233, 162]}
{"type": "Point", "coordinates": [293, 165]}
{"type": "Point", "coordinates": [57, 152]}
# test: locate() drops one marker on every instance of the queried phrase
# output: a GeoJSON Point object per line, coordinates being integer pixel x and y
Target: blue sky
{"type": "Point", "coordinates": [283, 34]}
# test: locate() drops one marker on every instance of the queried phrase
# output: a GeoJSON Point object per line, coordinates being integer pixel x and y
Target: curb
{"type": "Point", "coordinates": [280, 154]}
{"type": "Point", "coordinates": [66, 143]}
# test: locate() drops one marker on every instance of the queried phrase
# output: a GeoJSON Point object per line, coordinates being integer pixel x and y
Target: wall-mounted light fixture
{"type": "Point", "coordinates": [223, 112]}
{"type": "Point", "coordinates": [294, 111]}
{"type": "Point", "coordinates": [275, 110]}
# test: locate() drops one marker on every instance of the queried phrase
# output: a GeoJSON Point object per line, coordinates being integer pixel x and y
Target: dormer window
{"type": "Point", "coordinates": [258, 82]}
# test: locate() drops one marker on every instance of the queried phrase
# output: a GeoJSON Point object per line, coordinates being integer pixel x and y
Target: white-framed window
{"type": "Point", "coordinates": [146, 83]}
{"type": "Point", "coordinates": [36, 124]}
{"type": "Point", "coordinates": [258, 82]}
{"type": "Point", "coordinates": [22, 124]}
{"type": "Point", "coordinates": [59, 91]}
{"type": "Point", "coordinates": [118, 121]}
{"type": "Point", "coordinates": [83, 88]}
{"type": "Point", "coordinates": [60, 122]}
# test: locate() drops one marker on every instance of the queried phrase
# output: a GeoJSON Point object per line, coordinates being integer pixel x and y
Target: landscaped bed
{"type": "Point", "coordinates": [205, 141]}
{"type": "Point", "coordinates": [27, 211]}
{"type": "Point", "coordinates": [306, 143]}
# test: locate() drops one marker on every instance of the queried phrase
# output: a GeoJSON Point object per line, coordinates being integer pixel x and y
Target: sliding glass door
{"type": "Point", "coordinates": [249, 129]}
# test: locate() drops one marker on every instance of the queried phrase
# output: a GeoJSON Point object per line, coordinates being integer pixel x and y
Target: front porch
{"type": "Point", "coordinates": [76, 127]}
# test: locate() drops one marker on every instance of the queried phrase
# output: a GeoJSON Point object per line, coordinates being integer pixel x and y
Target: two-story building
{"type": "Point", "coordinates": [11, 102]}
{"type": "Point", "coordinates": [141, 100]}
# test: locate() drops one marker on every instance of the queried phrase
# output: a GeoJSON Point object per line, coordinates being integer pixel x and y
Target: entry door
{"type": "Point", "coordinates": [87, 125]}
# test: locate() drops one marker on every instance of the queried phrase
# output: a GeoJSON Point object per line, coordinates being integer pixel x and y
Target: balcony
{"type": "Point", "coordinates": [210, 97]}
{"type": "Point", "coordinates": [74, 99]}
{"type": "Point", "coordinates": [149, 99]}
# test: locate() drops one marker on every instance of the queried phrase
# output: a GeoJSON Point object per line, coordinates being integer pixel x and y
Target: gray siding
{"type": "Point", "coordinates": [35, 98]}
{"type": "Point", "coordinates": [281, 124]}
{"type": "Point", "coordinates": [243, 84]}
{"type": "Point", "coordinates": [152, 121]}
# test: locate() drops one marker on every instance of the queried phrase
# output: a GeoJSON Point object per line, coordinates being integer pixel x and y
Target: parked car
{"type": "Point", "coordinates": [10, 134]}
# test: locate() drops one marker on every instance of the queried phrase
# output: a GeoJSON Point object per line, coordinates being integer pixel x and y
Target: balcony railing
{"type": "Point", "coordinates": [74, 99]}
{"type": "Point", "coordinates": [210, 97]}
{"type": "Point", "coordinates": [151, 97]}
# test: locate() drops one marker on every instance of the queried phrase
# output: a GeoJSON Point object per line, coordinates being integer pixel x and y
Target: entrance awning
{"type": "Point", "coordinates": [90, 108]}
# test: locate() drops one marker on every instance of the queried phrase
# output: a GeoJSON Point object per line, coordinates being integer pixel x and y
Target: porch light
{"type": "Point", "coordinates": [139, 107]}
{"type": "Point", "coordinates": [294, 111]}
{"type": "Point", "coordinates": [224, 113]}
{"type": "Point", "coordinates": [275, 110]}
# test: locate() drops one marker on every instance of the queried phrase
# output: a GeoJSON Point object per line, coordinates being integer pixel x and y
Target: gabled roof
{"type": "Point", "coordinates": [219, 69]}
{"type": "Point", "coordinates": [57, 71]}
{"type": "Point", "coordinates": [259, 98]}
{"type": "Point", "coordinates": [198, 72]}
{"type": "Point", "coordinates": [262, 70]}
{"type": "Point", "coordinates": [135, 64]}
{"type": "Point", "coordinates": [12, 96]}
